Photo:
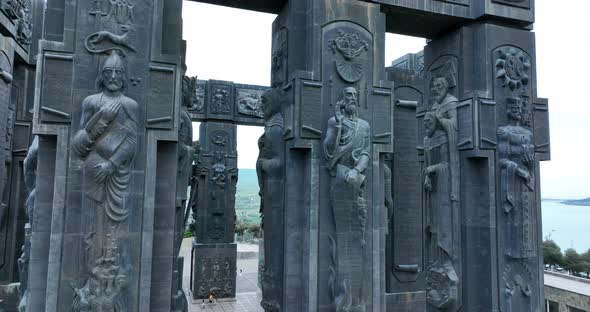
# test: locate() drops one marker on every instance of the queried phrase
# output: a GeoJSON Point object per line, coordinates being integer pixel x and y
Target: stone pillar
{"type": "Point", "coordinates": [106, 113]}
{"type": "Point", "coordinates": [328, 59]}
{"type": "Point", "coordinates": [405, 264]}
{"type": "Point", "coordinates": [483, 106]}
{"type": "Point", "coordinates": [214, 253]}
{"type": "Point", "coordinates": [20, 26]}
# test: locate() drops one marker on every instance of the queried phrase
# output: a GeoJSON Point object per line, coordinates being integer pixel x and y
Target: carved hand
{"type": "Point", "coordinates": [428, 170]}
{"type": "Point", "coordinates": [105, 170]}
{"type": "Point", "coordinates": [523, 173]}
{"type": "Point", "coordinates": [110, 111]}
{"type": "Point", "coordinates": [528, 155]}
{"type": "Point", "coordinates": [338, 114]}
{"type": "Point", "coordinates": [352, 176]}
{"type": "Point", "coordinates": [427, 183]}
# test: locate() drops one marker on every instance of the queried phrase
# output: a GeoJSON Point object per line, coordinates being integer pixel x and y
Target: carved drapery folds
{"type": "Point", "coordinates": [270, 168]}
{"type": "Point", "coordinates": [105, 146]}
{"type": "Point", "coordinates": [517, 181]}
{"type": "Point", "coordinates": [516, 165]}
{"type": "Point", "coordinates": [30, 176]}
{"type": "Point", "coordinates": [347, 147]}
{"type": "Point", "coordinates": [441, 192]}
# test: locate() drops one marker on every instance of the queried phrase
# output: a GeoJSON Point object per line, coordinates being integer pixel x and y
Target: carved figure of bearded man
{"type": "Point", "coordinates": [107, 140]}
{"type": "Point", "coordinates": [347, 150]}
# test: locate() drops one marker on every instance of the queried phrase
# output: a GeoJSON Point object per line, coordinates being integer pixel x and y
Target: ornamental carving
{"type": "Point", "coordinates": [11, 7]}
{"type": "Point", "coordinates": [517, 278]}
{"type": "Point", "coordinates": [121, 11]}
{"type": "Point", "coordinates": [216, 278]}
{"type": "Point", "coordinates": [441, 285]}
{"type": "Point", "coordinates": [249, 102]}
{"type": "Point", "coordinates": [103, 290]}
{"type": "Point", "coordinates": [512, 68]}
{"type": "Point", "coordinates": [104, 41]}
{"type": "Point", "coordinates": [220, 100]}
{"type": "Point", "coordinates": [349, 46]}
{"type": "Point", "coordinates": [198, 99]}
{"type": "Point", "coordinates": [21, 12]}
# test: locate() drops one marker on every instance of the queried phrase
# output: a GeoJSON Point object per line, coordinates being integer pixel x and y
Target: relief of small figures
{"type": "Point", "coordinates": [516, 155]}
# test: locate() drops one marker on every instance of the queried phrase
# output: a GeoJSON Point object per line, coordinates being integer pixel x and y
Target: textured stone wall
{"type": "Point", "coordinates": [106, 112]}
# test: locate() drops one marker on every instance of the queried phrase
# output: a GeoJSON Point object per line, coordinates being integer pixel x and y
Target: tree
{"type": "Point", "coordinates": [573, 261]}
{"type": "Point", "coordinates": [586, 259]}
{"type": "Point", "coordinates": [552, 253]}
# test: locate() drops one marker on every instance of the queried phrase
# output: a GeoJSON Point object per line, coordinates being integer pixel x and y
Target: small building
{"type": "Point", "coordinates": [565, 293]}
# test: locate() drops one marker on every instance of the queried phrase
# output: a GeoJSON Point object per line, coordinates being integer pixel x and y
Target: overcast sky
{"type": "Point", "coordinates": [235, 45]}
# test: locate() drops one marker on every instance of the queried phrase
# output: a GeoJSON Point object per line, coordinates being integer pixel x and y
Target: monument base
{"type": "Point", "coordinates": [410, 301]}
{"type": "Point", "coordinates": [214, 270]}
{"type": "Point", "coordinates": [9, 297]}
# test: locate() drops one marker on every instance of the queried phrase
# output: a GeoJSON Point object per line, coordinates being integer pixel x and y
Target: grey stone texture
{"type": "Point", "coordinates": [214, 270]}
{"type": "Point", "coordinates": [106, 113]}
{"type": "Point", "coordinates": [20, 28]}
{"type": "Point", "coordinates": [408, 188]}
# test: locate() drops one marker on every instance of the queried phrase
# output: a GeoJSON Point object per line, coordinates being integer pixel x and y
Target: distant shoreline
{"type": "Point", "coordinates": [570, 202]}
{"type": "Point", "coordinates": [577, 202]}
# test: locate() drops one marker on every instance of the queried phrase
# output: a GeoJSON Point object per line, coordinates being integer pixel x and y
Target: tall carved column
{"type": "Point", "coordinates": [485, 75]}
{"type": "Point", "coordinates": [270, 168]}
{"type": "Point", "coordinates": [20, 27]}
{"type": "Point", "coordinates": [405, 242]}
{"type": "Point", "coordinates": [106, 114]}
{"type": "Point", "coordinates": [214, 250]}
{"type": "Point", "coordinates": [327, 58]}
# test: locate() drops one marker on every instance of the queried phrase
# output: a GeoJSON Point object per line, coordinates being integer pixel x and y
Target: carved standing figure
{"type": "Point", "coordinates": [194, 184]}
{"type": "Point", "coordinates": [30, 175]}
{"type": "Point", "coordinates": [107, 140]}
{"type": "Point", "coordinates": [183, 177]}
{"type": "Point", "coordinates": [105, 146]}
{"type": "Point", "coordinates": [441, 218]}
{"type": "Point", "coordinates": [347, 147]}
{"type": "Point", "coordinates": [445, 109]}
{"type": "Point", "coordinates": [516, 155]}
{"type": "Point", "coordinates": [270, 168]}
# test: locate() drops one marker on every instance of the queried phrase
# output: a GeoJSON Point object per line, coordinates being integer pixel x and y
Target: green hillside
{"type": "Point", "coordinates": [247, 199]}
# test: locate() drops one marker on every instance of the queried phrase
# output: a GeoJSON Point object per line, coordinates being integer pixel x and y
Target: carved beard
{"type": "Point", "coordinates": [113, 85]}
{"type": "Point", "coordinates": [350, 108]}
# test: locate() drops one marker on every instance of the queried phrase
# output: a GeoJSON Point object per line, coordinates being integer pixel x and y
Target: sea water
{"type": "Point", "coordinates": [567, 225]}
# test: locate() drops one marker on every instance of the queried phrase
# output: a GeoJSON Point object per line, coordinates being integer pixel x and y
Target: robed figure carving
{"type": "Point", "coordinates": [107, 140]}
{"type": "Point", "coordinates": [516, 155]}
{"type": "Point", "coordinates": [440, 215]}
{"type": "Point", "coordinates": [183, 176]}
{"type": "Point", "coordinates": [441, 196]}
{"type": "Point", "coordinates": [444, 107]}
{"type": "Point", "coordinates": [270, 168]}
{"type": "Point", "coordinates": [347, 150]}
{"type": "Point", "coordinates": [106, 145]}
